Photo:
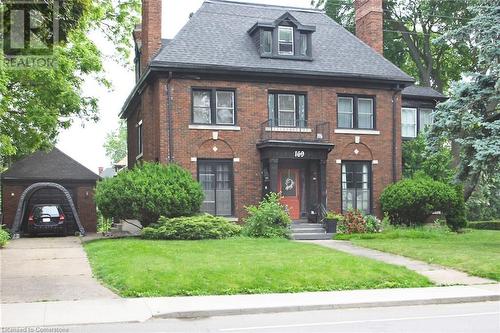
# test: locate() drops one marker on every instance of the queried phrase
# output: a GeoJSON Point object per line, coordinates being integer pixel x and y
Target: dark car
{"type": "Point", "coordinates": [47, 219]}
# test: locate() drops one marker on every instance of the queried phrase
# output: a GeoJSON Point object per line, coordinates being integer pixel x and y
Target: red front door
{"type": "Point", "coordinates": [290, 190]}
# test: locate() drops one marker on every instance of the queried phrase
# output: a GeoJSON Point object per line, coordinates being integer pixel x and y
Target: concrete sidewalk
{"type": "Point", "coordinates": [142, 309]}
{"type": "Point", "coordinates": [442, 276]}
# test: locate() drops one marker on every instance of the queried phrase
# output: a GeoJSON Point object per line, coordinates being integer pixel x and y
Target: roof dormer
{"type": "Point", "coordinates": [285, 38]}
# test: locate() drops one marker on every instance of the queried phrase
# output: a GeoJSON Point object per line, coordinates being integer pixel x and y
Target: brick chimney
{"type": "Point", "coordinates": [369, 23]}
{"type": "Point", "coordinates": [150, 34]}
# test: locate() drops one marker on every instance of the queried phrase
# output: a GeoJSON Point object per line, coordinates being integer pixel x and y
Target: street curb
{"type": "Point", "coordinates": [317, 307]}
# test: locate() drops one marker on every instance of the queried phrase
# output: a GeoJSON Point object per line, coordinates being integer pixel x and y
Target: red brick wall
{"type": "Point", "coordinates": [369, 23]}
{"type": "Point", "coordinates": [252, 110]}
{"type": "Point", "coordinates": [85, 203]}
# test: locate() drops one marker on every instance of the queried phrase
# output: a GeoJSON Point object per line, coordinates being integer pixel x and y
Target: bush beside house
{"type": "Point", "coordinates": [268, 220]}
{"type": "Point", "coordinates": [4, 236]}
{"type": "Point", "coordinates": [191, 228]}
{"type": "Point", "coordinates": [149, 191]}
{"type": "Point", "coordinates": [411, 201]}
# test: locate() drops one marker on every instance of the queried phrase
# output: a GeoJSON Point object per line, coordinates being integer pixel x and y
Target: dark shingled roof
{"type": "Point", "coordinates": [216, 37]}
{"type": "Point", "coordinates": [44, 166]}
{"type": "Point", "coordinates": [426, 92]}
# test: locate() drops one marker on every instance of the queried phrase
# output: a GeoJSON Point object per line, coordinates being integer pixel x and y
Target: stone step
{"type": "Point", "coordinates": [308, 230]}
{"type": "Point", "coordinates": [307, 225]}
{"type": "Point", "coordinates": [313, 236]}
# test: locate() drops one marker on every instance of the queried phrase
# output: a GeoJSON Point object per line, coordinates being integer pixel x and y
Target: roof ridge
{"type": "Point", "coordinates": [252, 4]}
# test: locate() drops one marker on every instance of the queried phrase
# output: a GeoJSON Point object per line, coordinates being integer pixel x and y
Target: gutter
{"type": "Point", "coordinates": [394, 136]}
{"type": "Point", "coordinates": [169, 120]}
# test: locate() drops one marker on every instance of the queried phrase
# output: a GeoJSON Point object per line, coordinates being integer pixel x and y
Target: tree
{"type": "Point", "coordinates": [471, 116]}
{"type": "Point", "coordinates": [116, 143]}
{"type": "Point", "coordinates": [411, 28]}
{"type": "Point", "coordinates": [35, 104]}
{"type": "Point", "coordinates": [417, 158]}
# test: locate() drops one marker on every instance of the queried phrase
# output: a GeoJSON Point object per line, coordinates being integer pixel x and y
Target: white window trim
{"type": "Point", "coordinates": [215, 127]}
{"type": "Point", "coordinates": [356, 131]}
{"type": "Point", "coordinates": [289, 129]}
{"type": "Point", "coordinates": [283, 41]}
{"type": "Point", "coordinates": [352, 109]}
{"type": "Point", "coordinates": [288, 110]}
{"type": "Point", "coordinates": [372, 109]}
{"type": "Point", "coordinates": [415, 117]}
{"type": "Point", "coordinates": [223, 108]}
{"type": "Point", "coordinates": [141, 154]}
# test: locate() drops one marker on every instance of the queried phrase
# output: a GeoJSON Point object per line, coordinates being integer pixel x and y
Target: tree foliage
{"type": "Point", "coordinates": [115, 144]}
{"type": "Point", "coordinates": [411, 29]}
{"type": "Point", "coordinates": [471, 116]}
{"type": "Point", "coordinates": [417, 157]}
{"type": "Point", "coordinates": [36, 103]}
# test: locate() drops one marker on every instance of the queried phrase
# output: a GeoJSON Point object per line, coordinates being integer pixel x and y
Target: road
{"type": "Point", "coordinates": [472, 317]}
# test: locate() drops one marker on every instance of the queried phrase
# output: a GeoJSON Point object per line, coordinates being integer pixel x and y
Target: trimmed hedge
{"type": "Point", "coordinates": [191, 228]}
{"type": "Point", "coordinates": [149, 191]}
{"type": "Point", "coordinates": [410, 201]}
{"type": "Point", "coordinates": [484, 225]}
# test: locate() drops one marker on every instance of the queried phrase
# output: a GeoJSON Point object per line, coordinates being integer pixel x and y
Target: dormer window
{"type": "Point", "coordinates": [285, 40]}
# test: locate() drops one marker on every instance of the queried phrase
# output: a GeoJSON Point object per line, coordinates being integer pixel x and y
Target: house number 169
{"type": "Point", "coordinates": [300, 154]}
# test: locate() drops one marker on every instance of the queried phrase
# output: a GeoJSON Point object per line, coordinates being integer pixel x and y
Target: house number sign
{"type": "Point", "coordinates": [299, 154]}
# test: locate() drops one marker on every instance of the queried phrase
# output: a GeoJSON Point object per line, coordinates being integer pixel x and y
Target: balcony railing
{"type": "Point", "coordinates": [303, 131]}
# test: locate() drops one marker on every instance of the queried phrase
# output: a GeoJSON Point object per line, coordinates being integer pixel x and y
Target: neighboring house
{"type": "Point", "coordinates": [49, 167]}
{"type": "Point", "coordinates": [256, 98]}
{"type": "Point", "coordinates": [417, 110]}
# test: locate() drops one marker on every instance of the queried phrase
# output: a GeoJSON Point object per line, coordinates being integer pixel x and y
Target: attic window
{"type": "Point", "coordinates": [285, 40]}
{"type": "Point", "coordinates": [267, 41]}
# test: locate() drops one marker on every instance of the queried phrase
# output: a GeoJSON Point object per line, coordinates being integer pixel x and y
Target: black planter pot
{"type": "Point", "coordinates": [331, 226]}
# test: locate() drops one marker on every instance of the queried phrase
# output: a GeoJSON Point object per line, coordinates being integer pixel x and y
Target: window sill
{"type": "Point", "coordinates": [231, 219]}
{"type": "Point", "coordinates": [289, 129]}
{"type": "Point", "coordinates": [357, 131]}
{"type": "Point", "coordinates": [215, 127]}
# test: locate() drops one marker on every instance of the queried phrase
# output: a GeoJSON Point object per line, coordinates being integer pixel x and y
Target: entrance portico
{"type": "Point", "coordinates": [297, 170]}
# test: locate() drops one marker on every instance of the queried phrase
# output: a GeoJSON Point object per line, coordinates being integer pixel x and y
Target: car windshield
{"type": "Point", "coordinates": [46, 210]}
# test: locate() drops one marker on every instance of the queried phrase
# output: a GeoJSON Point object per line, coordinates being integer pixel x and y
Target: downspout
{"type": "Point", "coordinates": [394, 136]}
{"type": "Point", "coordinates": [169, 120]}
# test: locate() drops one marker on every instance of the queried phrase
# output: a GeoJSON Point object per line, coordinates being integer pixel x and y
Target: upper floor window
{"type": "Point", "coordinates": [140, 145]}
{"type": "Point", "coordinates": [213, 107]}
{"type": "Point", "coordinates": [267, 41]}
{"type": "Point", "coordinates": [355, 112]}
{"type": "Point", "coordinates": [287, 109]}
{"type": "Point", "coordinates": [285, 40]}
{"type": "Point", "coordinates": [415, 120]}
{"type": "Point", "coordinates": [409, 122]}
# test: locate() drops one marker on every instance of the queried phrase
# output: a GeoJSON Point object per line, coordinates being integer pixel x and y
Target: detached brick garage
{"type": "Point", "coordinates": [50, 167]}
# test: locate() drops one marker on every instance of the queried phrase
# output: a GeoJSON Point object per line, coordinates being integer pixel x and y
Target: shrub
{"type": "Point", "coordinates": [4, 236]}
{"type": "Point", "coordinates": [191, 228]}
{"type": "Point", "coordinates": [267, 220]}
{"type": "Point", "coordinates": [334, 216]}
{"type": "Point", "coordinates": [103, 224]}
{"type": "Point", "coordinates": [373, 224]}
{"type": "Point", "coordinates": [484, 225]}
{"type": "Point", "coordinates": [149, 191]}
{"type": "Point", "coordinates": [410, 201]}
{"type": "Point", "coordinates": [352, 223]}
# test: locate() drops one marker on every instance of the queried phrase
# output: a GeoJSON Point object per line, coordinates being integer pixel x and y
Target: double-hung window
{"type": "Point", "coordinates": [216, 178]}
{"type": "Point", "coordinates": [426, 118]}
{"type": "Point", "coordinates": [285, 40]}
{"type": "Point", "coordinates": [355, 112]}
{"type": "Point", "coordinates": [140, 145]}
{"type": "Point", "coordinates": [287, 110]}
{"type": "Point", "coordinates": [213, 107]}
{"type": "Point", "coordinates": [409, 122]}
{"type": "Point", "coordinates": [356, 186]}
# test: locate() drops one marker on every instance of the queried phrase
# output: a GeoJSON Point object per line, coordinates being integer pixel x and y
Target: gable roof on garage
{"type": "Point", "coordinates": [49, 166]}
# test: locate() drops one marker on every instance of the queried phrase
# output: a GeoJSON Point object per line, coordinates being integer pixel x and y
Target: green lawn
{"type": "Point", "coordinates": [135, 268]}
{"type": "Point", "coordinates": [474, 251]}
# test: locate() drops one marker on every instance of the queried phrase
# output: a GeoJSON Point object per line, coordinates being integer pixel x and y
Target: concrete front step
{"type": "Point", "coordinates": [308, 230]}
{"type": "Point", "coordinates": [312, 236]}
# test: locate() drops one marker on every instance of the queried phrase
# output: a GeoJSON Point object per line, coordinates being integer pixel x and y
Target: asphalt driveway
{"type": "Point", "coordinates": [47, 269]}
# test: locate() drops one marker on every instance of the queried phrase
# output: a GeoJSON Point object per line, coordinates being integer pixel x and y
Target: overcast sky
{"type": "Point", "coordinates": [84, 142]}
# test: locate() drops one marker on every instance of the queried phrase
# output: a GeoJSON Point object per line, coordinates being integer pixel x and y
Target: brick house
{"type": "Point", "coordinates": [257, 98]}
